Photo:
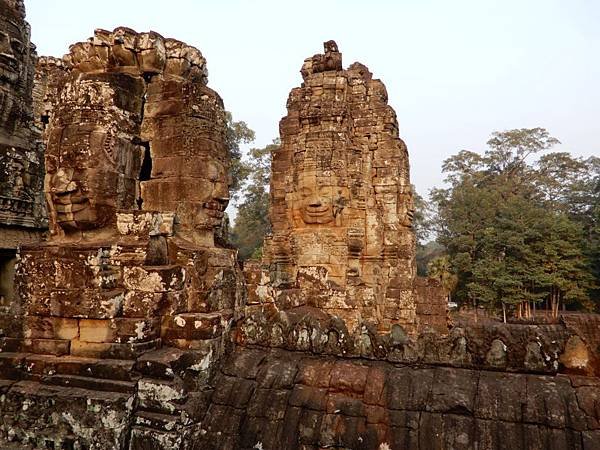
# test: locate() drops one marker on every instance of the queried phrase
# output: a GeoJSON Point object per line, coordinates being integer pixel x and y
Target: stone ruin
{"type": "Point", "coordinates": [131, 255]}
{"type": "Point", "coordinates": [134, 327]}
{"type": "Point", "coordinates": [341, 208]}
{"type": "Point", "coordinates": [22, 215]}
{"type": "Point", "coordinates": [136, 185]}
{"type": "Point", "coordinates": [341, 201]}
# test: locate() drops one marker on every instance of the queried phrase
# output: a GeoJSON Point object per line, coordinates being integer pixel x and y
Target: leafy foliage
{"type": "Point", "coordinates": [422, 219]}
{"type": "Point", "coordinates": [237, 133]}
{"type": "Point", "coordinates": [515, 232]}
{"type": "Point", "coordinates": [252, 221]}
{"type": "Point", "coordinates": [439, 268]}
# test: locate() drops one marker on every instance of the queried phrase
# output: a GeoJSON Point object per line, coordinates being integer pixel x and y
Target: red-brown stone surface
{"type": "Point", "coordinates": [21, 154]}
{"type": "Point", "coordinates": [341, 208]}
{"type": "Point", "coordinates": [341, 201]}
{"type": "Point", "coordinates": [130, 330]}
{"type": "Point", "coordinates": [278, 399]}
{"type": "Point", "coordinates": [22, 210]}
{"type": "Point", "coordinates": [133, 131]}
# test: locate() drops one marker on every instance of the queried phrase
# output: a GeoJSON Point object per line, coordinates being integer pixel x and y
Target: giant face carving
{"type": "Point", "coordinates": [81, 176]}
{"type": "Point", "coordinates": [318, 200]}
{"type": "Point", "coordinates": [15, 80]}
{"type": "Point", "coordinates": [91, 163]}
{"type": "Point", "coordinates": [13, 50]}
{"type": "Point", "coordinates": [214, 198]}
{"type": "Point", "coordinates": [184, 124]}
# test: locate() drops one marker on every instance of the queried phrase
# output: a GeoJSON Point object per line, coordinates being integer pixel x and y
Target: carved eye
{"type": "Point", "coordinates": [305, 192]}
{"type": "Point", "coordinates": [325, 190]}
{"type": "Point", "coordinates": [3, 42]}
{"type": "Point", "coordinates": [17, 46]}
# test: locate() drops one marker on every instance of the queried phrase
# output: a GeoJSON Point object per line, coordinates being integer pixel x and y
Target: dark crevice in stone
{"type": "Point", "coordinates": [145, 170]}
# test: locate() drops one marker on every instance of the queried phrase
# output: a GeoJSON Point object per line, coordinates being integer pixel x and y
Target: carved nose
{"type": "Point", "coordinates": [315, 203]}
{"type": "Point", "coordinates": [61, 184]}
{"type": "Point", "coordinates": [223, 201]}
{"type": "Point", "coordinates": [5, 47]}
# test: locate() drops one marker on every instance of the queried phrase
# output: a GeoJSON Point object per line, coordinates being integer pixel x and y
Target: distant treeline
{"type": "Point", "coordinates": [513, 231]}
{"type": "Point", "coordinates": [515, 227]}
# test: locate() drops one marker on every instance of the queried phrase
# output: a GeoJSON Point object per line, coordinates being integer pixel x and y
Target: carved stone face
{"type": "Point", "coordinates": [212, 206]}
{"type": "Point", "coordinates": [14, 76]}
{"type": "Point", "coordinates": [12, 52]}
{"type": "Point", "coordinates": [316, 205]}
{"type": "Point", "coordinates": [92, 162]}
{"type": "Point", "coordinates": [318, 200]}
{"type": "Point", "coordinates": [81, 177]}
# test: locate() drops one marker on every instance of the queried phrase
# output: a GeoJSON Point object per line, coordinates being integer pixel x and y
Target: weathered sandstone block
{"type": "Point", "coordinates": [341, 207]}
{"type": "Point", "coordinates": [136, 184]}
{"type": "Point", "coordinates": [22, 209]}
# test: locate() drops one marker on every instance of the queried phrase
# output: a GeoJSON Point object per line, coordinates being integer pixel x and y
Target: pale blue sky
{"type": "Point", "coordinates": [455, 70]}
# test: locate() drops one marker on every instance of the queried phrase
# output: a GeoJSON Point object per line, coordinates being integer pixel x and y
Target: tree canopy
{"type": "Point", "coordinates": [237, 133]}
{"type": "Point", "coordinates": [517, 232]}
{"type": "Point", "coordinates": [252, 221]}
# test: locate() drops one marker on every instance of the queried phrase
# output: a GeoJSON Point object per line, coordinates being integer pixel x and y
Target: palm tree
{"type": "Point", "coordinates": [439, 268]}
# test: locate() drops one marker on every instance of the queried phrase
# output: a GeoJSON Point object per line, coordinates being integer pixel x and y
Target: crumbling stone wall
{"type": "Point", "coordinates": [279, 399]}
{"type": "Point", "coordinates": [431, 305]}
{"type": "Point", "coordinates": [341, 208]}
{"type": "Point", "coordinates": [21, 165]}
{"type": "Point", "coordinates": [131, 264]}
{"type": "Point", "coordinates": [130, 332]}
{"type": "Point", "coordinates": [133, 132]}
{"type": "Point", "coordinates": [50, 76]}
{"type": "Point", "coordinates": [549, 349]}
{"type": "Point", "coordinates": [341, 201]}
{"type": "Point", "coordinates": [22, 212]}
{"type": "Point", "coordinates": [467, 389]}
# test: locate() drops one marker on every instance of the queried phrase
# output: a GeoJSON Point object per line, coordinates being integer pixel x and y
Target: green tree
{"type": "Point", "coordinates": [440, 269]}
{"type": "Point", "coordinates": [252, 221]}
{"type": "Point", "coordinates": [565, 183]}
{"type": "Point", "coordinates": [508, 150]}
{"type": "Point", "coordinates": [509, 226]}
{"type": "Point", "coordinates": [593, 249]}
{"type": "Point", "coordinates": [422, 218]}
{"type": "Point", "coordinates": [564, 266]}
{"type": "Point", "coordinates": [426, 253]}
{"type": "Point", "coordinates": [237, 133]}
{"type": "Point", "coordinates": [422, 224]}
{"type": "Point", "coordinates": [571, 186]}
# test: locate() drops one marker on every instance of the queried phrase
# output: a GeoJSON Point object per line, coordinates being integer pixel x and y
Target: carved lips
{"type": "Point", "coordinates": [317, 214]}
{"type": "Point", "coordinates": [72, 206]}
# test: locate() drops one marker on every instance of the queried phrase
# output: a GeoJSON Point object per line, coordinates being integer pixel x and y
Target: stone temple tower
{"type": "Point", "coordinates": [341, 201]}
{"type": "Point", "coordinates": [131, 261]}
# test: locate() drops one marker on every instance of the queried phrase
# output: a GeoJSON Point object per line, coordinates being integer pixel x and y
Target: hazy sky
{"type": "Point", "coordinates": [455, 70]}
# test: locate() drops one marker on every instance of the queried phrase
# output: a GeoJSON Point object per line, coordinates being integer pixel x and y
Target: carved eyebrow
{"type": "Point", "coordinates": [17, 45]}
